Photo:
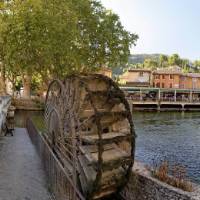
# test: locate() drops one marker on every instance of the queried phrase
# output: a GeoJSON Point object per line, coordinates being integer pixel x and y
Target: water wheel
{"type": "Point", "coordinates": [90, 128]}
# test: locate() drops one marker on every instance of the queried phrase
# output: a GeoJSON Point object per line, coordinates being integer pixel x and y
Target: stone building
{"type": "Point", "coordinates": [175, 78]}
{"type": "Point", "coordinates": [136, 78]}
{"type": "Point", "coordinates": [166, 78]}
{"type": "Point", "coordinates": [190, 81]}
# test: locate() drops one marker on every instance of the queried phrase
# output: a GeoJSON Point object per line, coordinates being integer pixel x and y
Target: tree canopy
{"type": "Point", "coordinates": [55, 38]}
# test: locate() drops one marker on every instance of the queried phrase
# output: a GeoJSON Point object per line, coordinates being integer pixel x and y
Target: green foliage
{"type": "Point", "coordinates": [36, 83]}
{"type": "Point", "coordinates": [196, 65]}
{"type": "Point", "coordinates": [18, 84]}
{"type": "Point", "coordinates": [139, 58]}
{"type": "Point", "coordinates": [55, 38]}
{"type": "Point", "coordinates": [150, 64]}
{"type": "Point", "coordinates": [163, 61]}
{"type": "Point", "coordinates": [174, 60]}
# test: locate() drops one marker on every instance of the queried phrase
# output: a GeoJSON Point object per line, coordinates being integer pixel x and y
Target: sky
{"type": "Point", "coordinates": [163, 26]}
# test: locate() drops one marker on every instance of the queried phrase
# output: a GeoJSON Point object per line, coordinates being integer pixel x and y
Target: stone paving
{"type": "Point", "coordinates": [21, 173]}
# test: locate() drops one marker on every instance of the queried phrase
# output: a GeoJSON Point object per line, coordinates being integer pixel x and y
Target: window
{"type": "Point", "coordinates": [163, 76]}
{"type": "Point", "coordinates": [170, 85]}
{"type": "Point", "coordinates": [141, 74]}
{"type": "Point", "coordinates": [163, 85]}
{"type": "Point", "coordinates": [157, 85]}
{"type": "Point", "coordinates": [171, 76]}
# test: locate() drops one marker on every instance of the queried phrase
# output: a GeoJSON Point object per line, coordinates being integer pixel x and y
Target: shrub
{"type": "Point", "coordinates": [173, 175]}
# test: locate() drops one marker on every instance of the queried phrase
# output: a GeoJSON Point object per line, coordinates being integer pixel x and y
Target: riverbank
{"type": "Point", "coordinates": [143, 186]}
{"type": "Point", "coordinates": [34, 104]}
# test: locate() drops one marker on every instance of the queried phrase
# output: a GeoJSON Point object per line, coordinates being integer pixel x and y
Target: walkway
{"type": "Point", "coordinates": [21, 173]}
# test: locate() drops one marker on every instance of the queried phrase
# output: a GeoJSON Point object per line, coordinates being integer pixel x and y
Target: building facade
{"type": "Point", "coordinates": [136, 78]}
{"type": "Point", "coordinates": [169, 78]}
{"type": "Point", "coordinates": [176, 80]}
{"type": "Point", "coordinates": [190, 81]}
{"type": "Point", "coordinates": [166, 79]}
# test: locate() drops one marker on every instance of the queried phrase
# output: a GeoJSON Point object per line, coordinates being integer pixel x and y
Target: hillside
{"type": "Point", "coordinates": [139, 58]}
{"type": "Point", "coordinates": [134, 59]}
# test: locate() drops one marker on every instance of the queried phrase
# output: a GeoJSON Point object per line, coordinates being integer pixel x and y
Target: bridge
{"type": "Point", "coordinates": [163, 99]}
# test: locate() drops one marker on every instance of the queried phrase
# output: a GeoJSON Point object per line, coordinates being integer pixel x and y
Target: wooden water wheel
{"type": "Point", "coordinates": [90, 129]}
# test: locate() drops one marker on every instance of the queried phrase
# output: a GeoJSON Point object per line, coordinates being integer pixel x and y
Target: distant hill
{"type": "Point", "coordinates": [139, 58]}
{"type": "Point", "coordinates": [134, 59]}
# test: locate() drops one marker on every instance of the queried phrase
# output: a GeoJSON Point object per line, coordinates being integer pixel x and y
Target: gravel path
{"type": "Point", "coordinates": [21, 173]}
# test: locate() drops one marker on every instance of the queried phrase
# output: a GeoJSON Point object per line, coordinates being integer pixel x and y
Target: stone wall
{"type": "Point", "coordinates": [142, 186]}
{"type": "Point", "coordinates": [5, 102]}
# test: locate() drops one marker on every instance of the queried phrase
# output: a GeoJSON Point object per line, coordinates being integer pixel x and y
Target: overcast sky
{"type": "Point", "coordinates": [163, 26]}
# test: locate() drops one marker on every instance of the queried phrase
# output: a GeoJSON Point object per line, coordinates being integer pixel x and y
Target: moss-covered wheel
{"type": "Point", "coordinates": [95, 137]}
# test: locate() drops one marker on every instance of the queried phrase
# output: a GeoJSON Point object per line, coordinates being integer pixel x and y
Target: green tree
{"type": "Point", "coordinates": [174, 59]}
{"type": "Point", "coordinates": [55, 38]}
{"type": "Point", "coordinates": [150, 64]}
{"type": "Point", "coordinates": [2, 52]}
{"type": "Point", "coordinates": [185, 64]}
{"type": "Point", "coordinates": [196, 65]}
{"type": "Point", "coordinates": [163, 61]}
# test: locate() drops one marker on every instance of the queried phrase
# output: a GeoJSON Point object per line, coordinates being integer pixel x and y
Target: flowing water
{"type": "Point", "coordinates": [171, 136]}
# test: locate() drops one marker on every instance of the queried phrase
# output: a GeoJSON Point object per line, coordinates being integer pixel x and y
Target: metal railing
{"type": "Point", "coordinates": [59, 181]}
{"type": "Point", "coordinates": [164, 99]}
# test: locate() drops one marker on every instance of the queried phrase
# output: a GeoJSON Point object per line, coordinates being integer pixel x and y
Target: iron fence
{"type": "Point", "coordinates": [59, 181]}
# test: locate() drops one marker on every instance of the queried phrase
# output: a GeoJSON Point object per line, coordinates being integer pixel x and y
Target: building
{"type": "Point", "coordinates": [171, 77]}
{"type": "Point", "coordinates": [190, 81]}
{"type": "Point", "coordinates": [168, 78]}
{"type": "Point", "coordinates": [136, 78]}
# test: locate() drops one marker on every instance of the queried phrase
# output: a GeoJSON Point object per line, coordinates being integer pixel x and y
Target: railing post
{"type": "Point", "coordinates": [159, 94]}
{"type": "Point", "coordinates": [140, 95]}
{"type": "Point", "coordinates": [175, 95]}
{"type": "Point", "coordinates": [190, 95]}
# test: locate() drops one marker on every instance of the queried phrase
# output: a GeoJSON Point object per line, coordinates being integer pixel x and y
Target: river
{"type": "Point", "coordinates": [171, 136]}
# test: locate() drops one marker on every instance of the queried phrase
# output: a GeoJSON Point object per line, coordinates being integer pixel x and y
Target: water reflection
{"type": "Point", "coordinates": [36, 116]}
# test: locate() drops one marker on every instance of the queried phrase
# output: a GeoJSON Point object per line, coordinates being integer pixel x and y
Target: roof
{"type": "Point", "coordinates": [139, 70]}
{"type": "Point", "coordinates": [167, 71]}
{"type": "Point", "coordinates": [170, 70]}
{"type": "Point", "coordinates": [193, 75]}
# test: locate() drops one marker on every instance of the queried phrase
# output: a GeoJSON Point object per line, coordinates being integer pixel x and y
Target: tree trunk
{"type": "Point", "coordinates": [13, 86]}
{"type": "Point", "coordinates": [27, 86]}
{"type": "Point", "coordinates": [3, 79]}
